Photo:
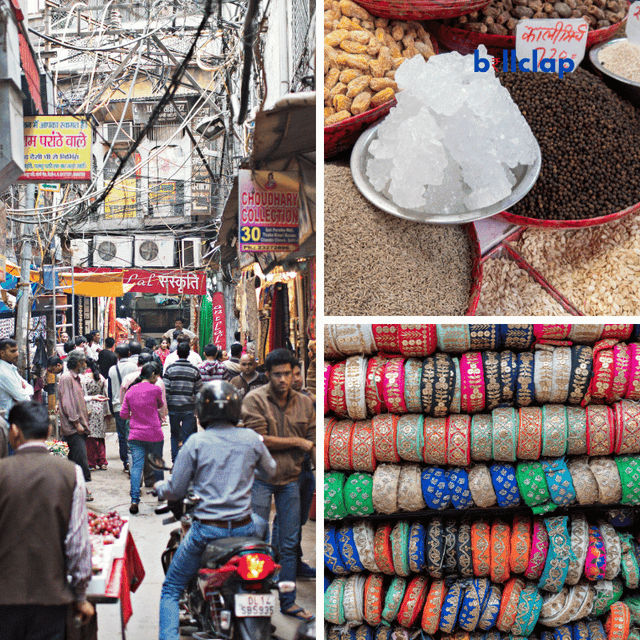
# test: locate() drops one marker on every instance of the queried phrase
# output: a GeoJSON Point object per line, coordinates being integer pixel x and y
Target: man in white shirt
{"type": "Point", "coordinates": [13, 388]}
{"type": "Point", "coordinates": [193, 357]}
{"type": "Point", "coordinates": [172, 334]}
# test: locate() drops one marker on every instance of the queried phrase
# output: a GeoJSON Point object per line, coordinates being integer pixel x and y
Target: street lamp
{"type": "Point", "coordinates": [211, 128]}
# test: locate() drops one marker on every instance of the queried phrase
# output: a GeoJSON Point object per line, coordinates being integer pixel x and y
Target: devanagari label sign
{"type": "Point", "coordinates": [551, 40]}
{"type": "Point", "coordinates": [268, 211]}
{"type": "Point", "coordinates": [57, 149]}
{"type": "Point", "coordinates": [633, 24]}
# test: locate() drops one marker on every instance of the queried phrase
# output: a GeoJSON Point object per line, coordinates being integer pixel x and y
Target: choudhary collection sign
{"type": "Point", "coordinates": [56, 149]}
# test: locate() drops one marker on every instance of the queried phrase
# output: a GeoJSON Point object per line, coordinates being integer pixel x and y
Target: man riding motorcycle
{"type": "Point", "coordinates": [219, 464]}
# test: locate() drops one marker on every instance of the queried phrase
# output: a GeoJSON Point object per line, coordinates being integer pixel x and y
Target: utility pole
{"type": "Point", "coordinates": [24, 287]}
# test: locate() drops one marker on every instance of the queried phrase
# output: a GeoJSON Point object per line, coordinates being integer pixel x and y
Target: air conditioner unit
{"type": "Point", "coordinates": [190, 253]}
{"type": "Point", "coordinates": [125, 134]}
{"type": "Point", "coordinates": [154, 251]}
{"type": "Point", "coordinates": [112, 251]}
{"type": "Point", "coordinates": [79, 249]}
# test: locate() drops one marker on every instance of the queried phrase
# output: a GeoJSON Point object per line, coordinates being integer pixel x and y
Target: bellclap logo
{"type": "Point", "coordinates": [510, 63]}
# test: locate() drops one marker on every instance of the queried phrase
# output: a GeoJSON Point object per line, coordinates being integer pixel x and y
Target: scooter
{"type": "Point", "coordinates": [231, 597]}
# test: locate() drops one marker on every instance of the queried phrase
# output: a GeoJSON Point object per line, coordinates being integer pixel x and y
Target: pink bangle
{"type": "Point", "coordinates": [619, 331]}
{"type": "Point", "coordinates": [375, 401]}
{"type": "Point", "coordinates": [459, 440]}
{"type": "Point", "coordinates": [633, 382]}
{"type": "Point", "coordinates": [386, 337]}
{"type": "Point", "coordinates": [602, 378]}
{"type": "Point", "coordinates": [394, 385]}
{"type": "Point", "coordinates": [417, 340]}
{"type": "Point", "coordinates": [539, 549]}
{"type": "Point", "coordinates": [327, 376]}
{"type": "Point", "coordinates": [472, 382]}
{"type": "Point", "coordinates": [621, 357]}
{"type": "Point", "coordinates": [551, 331]}
{"type": "Point", "coordinates": [337, 396]}
{"type": "Point", "coordinates": [601, 432]}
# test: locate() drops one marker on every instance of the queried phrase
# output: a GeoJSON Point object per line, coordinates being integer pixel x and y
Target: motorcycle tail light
{"type": "Point", "coordinates": [213, 578]}
{"type": "Point", "coordinates": [256, 566]}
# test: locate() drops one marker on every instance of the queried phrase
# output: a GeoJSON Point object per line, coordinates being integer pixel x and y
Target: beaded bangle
{"type": "Point", "coordinates": [375, 373]}
{"type": "Point", "coordinates": [331, 351]}
{"type": "Point", "coordinates": [481, 486]}
{"type": "Point", "coordinates": [363, 537]}
{"type": "Point", "coordinates": [355, 378]}
{"type": "Point", "coordinates": [459, 488]}
{"type": "Point", "coordinates": [400, 548]}
{"type": "Point", "coordinates": [613, 550]}
{"type": "Point", "coordinates": [470, 608]}
{"type": "Point", "coordinates": [410, 489]}
{"type": "Point", "coordinates": [453, 338]}
{"type": "Point", "coordinates": [603, 373]}
{"type": "Point", "coordinates": [413, 601]}
{"type": "Point", "coordinates": [382, 632]}
{"type": "Point", "coordinates": [509, 375]}
{"type": "Point", "coordinates": [596, 561]}
{"type": "Point", "coordinates": [617, 624]}
{"type": "Point", "coordinates": [456, 398]}
{"type": "Point", "coordinates": [629, 562]}
{"type": "Point", "coordinates": [435, 488]}
{"type": "Point", "coordinates": [543, 375]}
{"type": "Point", "coordinates": [417, 340]}
{"type": "Point", "coordinates": [492, 379]}
{"type": "Point", "coordinates": [539, 550]}
{"type": "Point", "coordinates": [489, 614]}
{"type": "Point", "coordinates": [386, 337]}
{"type": "Point", "coordinates": [621, 364]}
{"type": "Point", "coordinates": [520, 544]}
{"type": "Point", "coordinates": [585, 333]}
{"type": "Point", "coordinates": [553, 604]}
{"type": "Point", "coordinates": [382, 549]}
{"type": "Point", "coordinates": [348, 549]}
{"type": "Point", "coordinates": [332, 558]}
{"type": "Point", "coordinates": [619, 331]}
{"type": "Point", "coordinates": [629, 470]}
{"type": "Point", "coordinates": [385, 438]}
{"type": "Point", "coordinates": [450, 536]}
{"type": "Point", "coordinates": [417, 545]}
{"type": "Point", "coordinates": [412, 379]}
{"type": "Point", "coordinates": [505, 434]}
{"type": "Point", "coordinates": [587, 604]}
{"type": "Point", "coordinates": [559, 481]}
{"type": "Point", "coordinates": [340, 445]}
{"type": "Point", "coordinates": [509, 604]}
{"type": "Point", "coordinates": [484, 337]}
{"type": "Point", "coordinates": [334, 506]}
{"type": "Point", "coordinates": [584, 482]}
{"type": "Point", "coordinates": [607, 476]}
{"type": "Point", "coordinates": [337, 398]}
{"type": "Point", "coordinates": [472, 383]}
{"type": "Point", "coordinates": [451, 608]}
{"type": "Point", "coordinates": [463, 551]}
{"type": "Point", "coordinates": [525, 388]}
{"type": "Point", "coordinates": [576, 430]}
{"type": "Point", "coordinates": [327, 376]}
{"type": "Point", "coordinates": [481, 548]}
{"type": "Point", "coordinates": [433, 606]}
{"type": "Point", "coordinates": [579, 546]}
{"type": "Point", "coordinates": [628, 421]}
{"type": "Point", "coordinates": [516, 336]}
{"type": "Point", "coordinates": [482, 437]}
{"type": "Point", "coordinates": [554, 430]}
{"type": "Point", "coordinates": [373, 594]}
{"type": "Point", "coordinates": [334, 601]}
{"type": "Point", "coordinates": [385, 488]}
{"type": "Point", "coordinates": [362, 456]}
{"type": "Point", "coordinates": [427, 385]}
{"type": "Point", "coordinates": [607, 592]}
{"type": "Point", "coordinates": [328, 427]}
{"type": "Point", "coordinates": [500, 539]}
{"type": "Point", "coordinates": [503, 477]}
{"type": "Point", "coordinates": [561, 375]}
{"type": "Point", "coordinates": [358, 494]}
{"type": "Point", "coordinates": [410, 437]}
{"type": "Point", "coordinates": [444, 386]}
{"type": "Point", "coordinates": [581, 373]}
{"type": "Point", "coordinates": [435, 440]}
{"type": "Point", "coordinates": [529, 433]}
{"type": "Point", "coordinates": [573, 604]}
{"type": "Point", "coordinates": [596, 630]}
{"type": "Point", "coordinates": [393, 600]}
{"type": "Point", "coordinates": [435, 548]}
{"type": "Point", "coordinates": [353, 339]}
{"type": "Point", "coordinates": [529, 606]}
{"type": "Point", "coordinates": [559, 555]}
{"type": "Point", "coordinates": [551, 331]}
{"type": "Point", "coordinates": [633, 381]}
{"type": "Point", "coordinates": [394, 386]}
{"type": "Point", "coordinates": [600, 430]}
{"type": "Point", "coordinates": [458, 439]}
{"type": "Point", "coordinates": [533, 487]}
{"type": "Point", "coordinates": [354, 599]}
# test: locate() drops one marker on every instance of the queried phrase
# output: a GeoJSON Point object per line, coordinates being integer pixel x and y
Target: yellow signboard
{"type": "Point", "coordinates": [121, 200]}
{"type": "Point", "coordinates": [57, 149]}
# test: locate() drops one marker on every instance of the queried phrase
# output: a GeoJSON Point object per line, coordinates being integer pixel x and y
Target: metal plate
{"type": "Point", "coordinates": [526, 177]}
{"type": "Point", "coordinates": [255, 605]}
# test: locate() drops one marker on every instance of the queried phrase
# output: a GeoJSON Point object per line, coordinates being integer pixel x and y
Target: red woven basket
{"type": "Point", "coordinates": [476, 269]}
{"type": "Point", "coordinates": [421, 9]}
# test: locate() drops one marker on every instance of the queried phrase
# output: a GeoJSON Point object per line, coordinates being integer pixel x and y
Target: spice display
{"type": "Point", "coordinates": [621, 58]}
{"type": "Point", "coordinates": [376, 264]}
{"type": "Point", "coordinates": [361, 55]}
{"type": "Point", "coordinates": [501, 17]}
{"type": "Point", "coordinates": [565, 115]}
{"type": "Point", "coordinates": [451, 142]}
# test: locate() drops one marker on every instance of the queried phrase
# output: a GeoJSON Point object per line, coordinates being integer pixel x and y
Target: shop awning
{"type": "Point", "coordinates": [95, 285]}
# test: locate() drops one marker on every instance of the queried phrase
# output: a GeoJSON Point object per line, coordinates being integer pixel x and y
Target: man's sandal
{"type": "Point", "coordinates": [297, 612]}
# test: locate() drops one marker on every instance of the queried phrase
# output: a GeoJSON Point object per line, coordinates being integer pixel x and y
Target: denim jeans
{"type": "Point", "coordinates": [287, 497]}
{"type": "Point", "coordinates": [139, 449]}
{"type": "Point", "coordinates": [122, 427]}
{"type": "Point", "coordinates": [184, 566]}
{"type": "Point", "coordinates": [183, 424]}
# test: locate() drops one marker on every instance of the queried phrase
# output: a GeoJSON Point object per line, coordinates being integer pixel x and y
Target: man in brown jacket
{"type": "Point", "coordinates": [286, 420]}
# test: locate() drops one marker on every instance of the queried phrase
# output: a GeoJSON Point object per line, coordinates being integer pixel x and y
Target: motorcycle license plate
{"type": "Point", "coordinates": [257, 605]}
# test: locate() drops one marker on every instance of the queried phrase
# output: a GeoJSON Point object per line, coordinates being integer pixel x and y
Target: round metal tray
{"type": "Point", "coordinates": [526, 177]}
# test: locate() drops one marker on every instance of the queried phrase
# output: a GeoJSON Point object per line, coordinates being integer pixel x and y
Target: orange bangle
{"type": "Point", "coordinates": [481, 548]}
{"type": "Point", "coordinates": [500, 543]}
{"type": "Point", "coordinates": [362, 457]}
{"type": "Point", "coordinates": [617, 624]}
{"type": "Point", "coordinates": [382, 549]}
{"type": "Point", "coordinates": [414, 599]}
{"type": "Point", "coordinates": [520, 544]}
{"type": "Point", "coordinates": [373, 599]}
{"type": "Point", "coordinates": [509, 604]}
{"type": "Point", "coordinates": [340, 445]}
{"type": "Point", "coordinates": [433, 607]}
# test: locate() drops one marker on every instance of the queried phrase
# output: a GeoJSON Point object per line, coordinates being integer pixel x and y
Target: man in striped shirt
{"type": "Point", "coordinates": [182, 382]}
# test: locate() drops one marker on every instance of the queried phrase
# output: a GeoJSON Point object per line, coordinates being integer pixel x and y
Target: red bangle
{"type": "Point", "coordinates": [435, 440]}
{"type": "Point", "coordinates": [373, 599]}
{"type": "Point", "coordinates": [621, 362]}
{"type": "Point", "coordinates": [363, 458]}
{"type": "Point", "coordinates": [600, 430]}
{"type": "Point", "coordinates": [458, 429]}
{"type": "Point", "coordinates": [382, 549]}
{"type": "Point", "coordinates": [602, 379]}
{"type": "Point", "coordinates": [433, 607]}
{"type": "Point", "coordinates": [375, 371]}
{"type": "Point", "coordinates": [413, 602]}
{"type": "Point", "coordinates": [327, 376]}
{"type": "Point", "coordinates": [633, 382]}
{"type": "Point", "coordinates": [394, 385]}
{"type": "Point", "coordinates": [520, 543]}
{"type": "Point", "coordinates": [386, 337]}
{"type": "Point", "coordinates": [340, 445]}
{"type": "Point", "coordinates": [530, 434]}
{"type": "Point", "coordinates": [500, 543]}
{"type": "Point", "coordinates": [619, 331]}
{"type": "Point", "coordinates": [551, 331]}
{"type": "Point", "coordinates": [627, 427]}
{"type": "Point", "coordinates": [328, 426]}
{"type": "Point", "coordinates": [385, 434]}
{"type": "Point", "coordinates": [472, 383]}
{"type": "Point", "coordinates": [481, 548]}
{"type": "Point", "coordinates": [417, 340]}
{"type": "Point", "coordinates": [337, 395]}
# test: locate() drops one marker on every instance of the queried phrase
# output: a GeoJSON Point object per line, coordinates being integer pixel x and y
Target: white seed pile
{"type": "Point", "coordinates": [623, 59]}
{"type": "Point", "coordinates": [597, 269]}
{"type": "Point", "coordinates": [508, 290]}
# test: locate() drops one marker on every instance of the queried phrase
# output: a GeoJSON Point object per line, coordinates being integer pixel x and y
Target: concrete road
{"type": "Point", "coordinates": [110, 489]}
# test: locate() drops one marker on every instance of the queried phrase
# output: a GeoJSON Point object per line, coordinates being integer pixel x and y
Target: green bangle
{"type": "Point", "coordinates": [392, 602]}
{"type": "Point", "coordinates": [629, 563]}
{"type": "Point", "coordinates": [532, 484]}
{"type": "Point", "coordinates": [482, 437]}
{"type": "Point", "coordinates": [629, 470]}
{"type": "Point", "coordinates": [505, 434]}
{"type": "Point", "coordinates": [400, 548]}
{"type": "Point", "coordinates": [334, 506]}
{"type": "Point", "coordinates": [576, 431]}
{"type": "Point", "coordinates": [554, 430]}
{"type": "Point", "coordinates": [334, 601]}
{"type": "Point", "coordinates": [607, 593]}
{"type": "Point", "coordinates": [358, 494]}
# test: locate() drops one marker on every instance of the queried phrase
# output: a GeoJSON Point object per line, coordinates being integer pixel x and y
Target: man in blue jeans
{"type": "Point", "coordinates": [286, 420]}
{"type": "Point", "coordinates": [221, 463]}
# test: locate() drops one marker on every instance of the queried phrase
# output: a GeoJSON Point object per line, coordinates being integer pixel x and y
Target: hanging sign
{"type": "Point", "coordinates": [219, 329]}
{"type": "Point", "coordinates": [168, 281]}
{"type": "Point", "coordinates": [268, 211]}
{"type": "Point", "coordinates": [633, 24]}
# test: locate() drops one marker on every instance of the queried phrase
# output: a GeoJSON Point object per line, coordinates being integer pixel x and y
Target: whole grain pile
{"type": "Point", "coordinates": [377, 264]}
{"type": "Point", "coordinates": [589, 138]}
{"type": "Point", "coordinates": [621, 58]}
{"type": "Point", "coordinates": [508, 290]}
{"type": "Point", "coordinates": [597, 269]}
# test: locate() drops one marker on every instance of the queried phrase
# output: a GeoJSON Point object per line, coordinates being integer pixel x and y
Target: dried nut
{"type": "Point", "coordinates": [357, 85]}
{"type": "Point", "coordinates": [353, 10]}
{"type": "Point", "coordinates": [334, 38]}
{"type": "Point", "coordinates": [339, 88]}
{"type": "Point", "coordinates": [342, 103]}
{"type": "Point", "coordinates": [361, 103]}
{"type": "Point", "coordinates": [362, 37]}
{"type": "Point", "coordinates": [348, 75]}
{"type": "Point", "coordinates": [355, 61]}
{"type": "Point", "coordinates": [337, 117]}
{"type": "Point", "coordinates": [331, 78]}
{"type": "Point", "coordinates": [328, 111]}
{"type": "Point", "coordinates": [353, 47]}
{"type": "Point", "coordinates": [378, 84]}
{"type": "Point", "coordinates": [381, 97]}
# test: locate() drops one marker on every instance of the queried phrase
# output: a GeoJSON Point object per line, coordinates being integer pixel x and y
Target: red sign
{"type": "Point", "coordinates": [219, 333]}
{"type": "Point", "coordinates": [31, 72]}
{"type": "Point", "coordinates": [167, 281]}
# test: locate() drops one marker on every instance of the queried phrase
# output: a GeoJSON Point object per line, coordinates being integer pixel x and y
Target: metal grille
{"type": "Point", "coordinates": [300, 14]}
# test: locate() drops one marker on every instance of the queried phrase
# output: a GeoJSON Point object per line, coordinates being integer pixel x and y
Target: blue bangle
{"type": "Point", "coordinates": [491, 608]}
{"type": "Point", "coordinates": [383, 632]}
{"type": "Point", "coordinates": [363, 632]}
{"type": "Point", "coordinates": [470, 608]}
{"type": "Point", "coordinates": [348, 550]}
{"type": "Point", "coordinates": [485, 337]}
{"type": "Point", "coordinates": [559, 481]}
{"type": "Point", "coordinates": [596, 630]}
{"type": "Point", "coordinates": [435, 548]}
{"type": "Point", "coordinates": [332, 558]}
{"type": "Point", "coordinates": [417, 544]}
{"type": "Point", "coordinates": [463, 551]}
{"type": "Point", "coordinates": [581, 373]}
{"type": "Point", "coordinates": [525, 390]}
{"type": "Point", "coordinates": [580, 631]}
{"type": "Point", "coordinates": [546, 635]}
{"type": "Point", "coordinates": [449, 551]}
{"type": "Point", "coordinates": [435, 488]}
{"type": "Point", "coordinates": [459, 488]}
{"type": "Point", "coordinates": [451, 608]}
{"type": "Point", "coordinates": [559, 555]}
{"type": "Point", "coordinates": [563, 632]}
{"type": "Point", "coordinates": [509, 375]}
{"type": "Point", "coordinates": [492, 635]}
{"type": "Point", "coordinates": [516, 336]}
{"type": "Point", "coordinates": [529, 606]}
{"type": "Point", "coordinates": [503, 477]}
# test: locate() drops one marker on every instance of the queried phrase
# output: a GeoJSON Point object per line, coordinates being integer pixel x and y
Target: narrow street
{"type": "Point", "coordinates": [111, 492]}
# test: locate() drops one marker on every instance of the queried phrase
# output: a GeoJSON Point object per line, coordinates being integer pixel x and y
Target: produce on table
{"type": "Point", "coordinates": [58, 448]}
{"type": "Point", "coordinates": [361, 54]}
{"type": "Point", "coordinates": [108, 525]}
{"type": "Point", "coordinates": [621, 58]}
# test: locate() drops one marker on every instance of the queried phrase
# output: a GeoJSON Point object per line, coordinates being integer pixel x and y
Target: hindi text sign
{"type": "Point", "coordinates": [552, 39]}
{"type": "Point", "coordinates": [219, 329]}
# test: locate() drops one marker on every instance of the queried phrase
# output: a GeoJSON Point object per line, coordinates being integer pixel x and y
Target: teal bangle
{"type": "Point", "coordinates": [559, 481]}
{"type": "Point", "coordinates": [629, 564]}
{"type": "Point", "coordinates": [393, 600]}
{"type": "Point", "coordinates": [457, 389]}
{"type": "Point", "coordinates": [554, 430]}
{"type": "Point", "coordinates": [576, 431]}
{"type": "Point", "coordinates": [410, 437]}
{"type": "Point", "coordinates": [529, 607]}
{"type": "Point", "coordinates": [358, 494]}
{"type": "Point", "coordinates": [334, 601]}
{"type": "Point", "coordinates": [482, 437]}
{"type": "Point", "coordinates": [400, 548]}
{"type": "Point", "coordinates": [559, 555]}
{"type": "Point", "coordinates": [505, 434]}
{"type": "Point", "coordinates": [334, 506]}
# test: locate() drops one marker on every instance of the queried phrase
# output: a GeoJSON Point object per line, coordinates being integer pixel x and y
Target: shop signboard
{"type": "Point", "coordinates": [268, 211]}
{"type": "Point", "coordinates": [122, 200]}
{"type": "Point", "coordinates": [57, 149]}
{"type": "Point", "coordinates": [168, 281]}
{"type": "Point", "coordinates": [219, 331]}
{"type": "Point", "coordinates": [543, 44]}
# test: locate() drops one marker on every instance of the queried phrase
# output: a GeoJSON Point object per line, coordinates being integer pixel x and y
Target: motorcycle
{"type": "Point", "coordinates": [231, 596]}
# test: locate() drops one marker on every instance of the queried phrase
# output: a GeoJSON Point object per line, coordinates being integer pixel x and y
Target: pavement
{"type": "Point", "coordinates": [110, 489]}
